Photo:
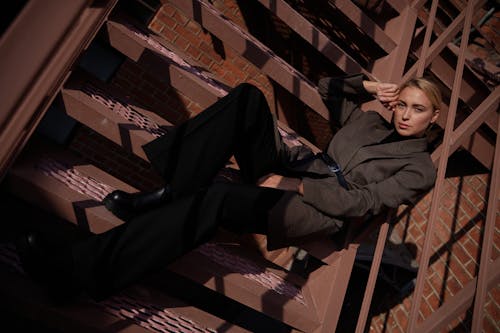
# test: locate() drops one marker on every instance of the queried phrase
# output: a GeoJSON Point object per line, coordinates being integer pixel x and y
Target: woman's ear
{"type": "Point", "coordinates": [435, 116]}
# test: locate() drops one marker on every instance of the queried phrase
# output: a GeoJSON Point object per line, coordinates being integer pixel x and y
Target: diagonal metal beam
{"type": "Point", "coordinates": [438, 45]}
{"type": "Point", "coordinates": [458, 303]}
{"type": "Point", "coordinates": [427, 38]}
{"type": "Point", "coordinates": [365, 23]}
{"type": "Point", "coordinates": [372, 278]}
{"type": "Point", "coordinates": [471, 124]}
{"type": "Point", "coordinates": [313, 36]}
{"type": "Point", "coordinates": [487, 246]}
{"type": "Point", "coordinates": [33, 72]}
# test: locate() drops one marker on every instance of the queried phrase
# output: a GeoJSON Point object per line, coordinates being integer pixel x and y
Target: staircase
{"type": "Point", "coordinates": [68, 177]}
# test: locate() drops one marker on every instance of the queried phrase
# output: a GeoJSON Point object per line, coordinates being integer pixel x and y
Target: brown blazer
{"type": "Point", "coordinates": [382, 169]}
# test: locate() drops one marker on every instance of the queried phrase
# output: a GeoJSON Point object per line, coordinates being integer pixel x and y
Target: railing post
{"type": "Point", "coordinates": [443, 162]}
{"type": "Point", "coordinates": [486, 247]}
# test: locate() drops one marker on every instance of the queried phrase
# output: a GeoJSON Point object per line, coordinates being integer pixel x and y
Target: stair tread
{"type": "Point", "coordinates": [275, 67]}
{"type": "Point", "coordinates": [164, 63]}
{"type": "Point", "coordinates": [248, 275]}
{"type": "Point", "coordinates": [136, 309]}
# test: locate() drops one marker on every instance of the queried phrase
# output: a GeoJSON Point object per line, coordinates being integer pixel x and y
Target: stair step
{"type": "Point", "coordinates": [163, 62]}
{"type": "Point", "coordinates": [59, 182]}
{"type": "Point", "coordinates": [252, 281]}
{"type": "Point", "coordinates": [90, 102]}
{"type": "Point", "coordinates": [304, 308]}
{"type": "Point", "coordinates": [137, 309]}
{"type": "Point", "coordinates": [255, 52]}
{"type": "Point", "coordinates": [321, 42]}
{"type": "Point", "coordinates": [73, 190]}
{"type": "Point", "coordinates": [200, 85]}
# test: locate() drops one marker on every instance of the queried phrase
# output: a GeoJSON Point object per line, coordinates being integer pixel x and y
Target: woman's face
{"type": "Point", "coordinates": [413, 112]}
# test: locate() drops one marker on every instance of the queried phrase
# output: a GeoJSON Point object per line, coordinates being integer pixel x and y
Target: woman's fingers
{"type": "Point", "coordinates": [387, 92]}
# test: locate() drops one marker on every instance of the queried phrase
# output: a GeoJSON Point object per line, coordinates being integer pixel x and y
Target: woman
{"type": "Point", "coordinates": [298, 194]}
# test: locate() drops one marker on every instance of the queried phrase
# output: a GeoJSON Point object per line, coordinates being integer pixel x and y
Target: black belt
{"type": "Point", "coordinates": [334, 168]}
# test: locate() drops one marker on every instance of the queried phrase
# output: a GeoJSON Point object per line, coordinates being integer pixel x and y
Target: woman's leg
{"type": "Point", "coordinates": [191, 154]}
{"type": "Point", "coordinates": [108, 262]}
{"type": "Point", "coordinates": [239, 124]}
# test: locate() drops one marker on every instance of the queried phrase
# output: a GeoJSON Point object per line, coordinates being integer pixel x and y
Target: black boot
{"type": "Point", "coordinates": [128, 205]}
{"type": "Point", "coordinates": [52, 268]}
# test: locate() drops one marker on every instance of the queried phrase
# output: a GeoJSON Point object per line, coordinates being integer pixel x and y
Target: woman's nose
{"type": "Point", "coordinates": [406, 114]}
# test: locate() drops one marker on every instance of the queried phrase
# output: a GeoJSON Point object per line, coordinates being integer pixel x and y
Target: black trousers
{"type": "Point", "coordinates": [189, 157]}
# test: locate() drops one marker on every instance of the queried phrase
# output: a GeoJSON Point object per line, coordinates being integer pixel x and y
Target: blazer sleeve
{"type": "Point", "coordinates": [332, 199]}
{"type": "Point", "coordinates": [343, 96]}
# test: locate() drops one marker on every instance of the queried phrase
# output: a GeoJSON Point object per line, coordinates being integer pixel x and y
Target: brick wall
{"type": "Point", "coordinates": [455, 254]}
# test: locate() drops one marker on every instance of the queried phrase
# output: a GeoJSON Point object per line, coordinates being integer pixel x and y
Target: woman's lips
{"type": "Point", "coordinates": [403, 126]}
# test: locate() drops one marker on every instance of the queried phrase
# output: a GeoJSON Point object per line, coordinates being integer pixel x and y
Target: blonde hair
{"type": "Point", "coordinates": [430, 89]}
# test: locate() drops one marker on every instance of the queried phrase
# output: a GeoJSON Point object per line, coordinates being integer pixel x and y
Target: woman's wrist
{"type": "Point", "coordinates": [370, 86]}
{"type": "Point", "coordinates": [300, 187]}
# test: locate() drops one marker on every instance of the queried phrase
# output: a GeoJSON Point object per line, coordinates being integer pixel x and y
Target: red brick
{"type": "Point", "coordinates": [407, 304]}
{"type": "Point", "coordinates": [193, 51]}
{"type": "Point", "coordinates": [192, 38]}
{"type": "Point", "coordinates": [473, 182]}
{"type": "Point", "coordinates": [460, 254]}
{"type": "Point", "coordinates": [441, 227]}
{"type": "Point", "coordinates": [156, 26]}
{"type": "Point", "coordinates": [471, 268]}
{"type": "Point", "coordinates": [231, 79]}
{"type": "Point", "coordinates": [437, 243]}
{"type": "Point", "coordinates": [470, 210]}
{"type": "Point", "coordinates": [206, 47]}
{"type": "Point", "coordinates": [391, 323]}
{"type": "Point", "coordinates": [462, 276]}
{"type": "Point", "coordinates": [205, 60]}
{"type": "Point", "coordinates": [180, 18]}
{"type": "Point", "coordinates": [476, 200]}
{"type": "Point", "coordinates": [401, 318]}
{"type": "Point", "coordinates": [169, 35]}
{"type": "Point", "coordinates": [240, 63]}
{"type": "Point", "coordinates": [437, 267]}
{"type": "Point", "coordinates": [194, 28]}
{"type": "Point", "coordinates": [472, 249]}
{"type": "Point", "coordinates": [167, 21]}
{"type": "Point", "coordinates": [425, 309]}
{"type": "Point", "coordinates": [452, 287]}
{"type": "Point", "coordinates": [181, 43]}
{"type": "Point", "coordinates": [492, 309]}
{"type": "Point", "coordinates": [489, 326]}
{"type": "Point", "coordinates": [428, 289]}
{"type": "Point", "coordinates": [167, 9]}
{"type": "Point", "coordinates": [426, 200]}
{"type": "Point", "coordinates": [449, 200]}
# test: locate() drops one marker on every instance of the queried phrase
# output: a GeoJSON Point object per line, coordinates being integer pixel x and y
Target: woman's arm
{"type": "Point", "coordinates": [332, 199]}
{"type": "Point", "coordinates": [273, 180]}
{"type": "Point", "coordinates": [342, 96]}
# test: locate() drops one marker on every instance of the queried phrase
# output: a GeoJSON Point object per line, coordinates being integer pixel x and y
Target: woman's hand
{"type": "Point", "coordinates": [280, 182]}
{"type": "Point", "coordinates": [386, 93]}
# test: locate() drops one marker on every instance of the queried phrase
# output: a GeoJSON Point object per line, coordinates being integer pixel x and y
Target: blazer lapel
{"type": "Point", "coordinates": [358, 137]}
{"type": "Point", "coordinates": [398, 149]}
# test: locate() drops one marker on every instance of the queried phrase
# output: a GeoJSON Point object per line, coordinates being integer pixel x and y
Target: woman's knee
{"type": "Point", "coordinates": [247, 87]}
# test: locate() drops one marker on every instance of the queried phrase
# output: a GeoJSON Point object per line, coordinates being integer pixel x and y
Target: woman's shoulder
{"type": "Point", "coordinates": [423, 164]}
